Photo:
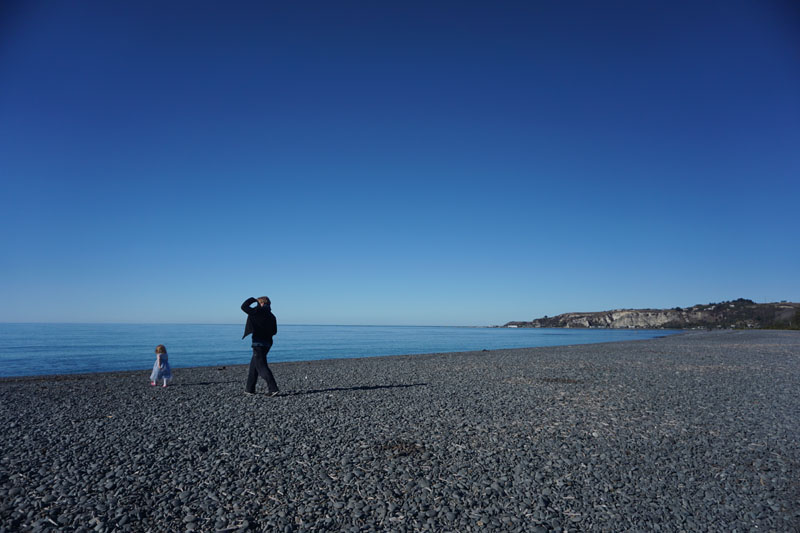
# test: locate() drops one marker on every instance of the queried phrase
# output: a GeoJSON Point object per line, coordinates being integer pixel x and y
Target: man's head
{"type": "Point", "coordinates": [263, 300]}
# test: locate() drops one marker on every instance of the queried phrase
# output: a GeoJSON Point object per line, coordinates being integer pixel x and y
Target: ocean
{"type": "Point", "coordinates": [39, 349]}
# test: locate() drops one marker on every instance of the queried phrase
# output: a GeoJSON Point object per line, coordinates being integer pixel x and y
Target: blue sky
{"type": "Point", "coordinates": [395, 163]}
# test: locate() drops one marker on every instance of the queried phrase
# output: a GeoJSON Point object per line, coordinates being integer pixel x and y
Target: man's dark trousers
{"type": "Point", "coordinates": [258, 367]}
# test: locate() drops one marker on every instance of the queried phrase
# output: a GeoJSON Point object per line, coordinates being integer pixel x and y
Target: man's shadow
{"type": "Point", "coordinates": [345, 389]}
{"type": "Point", "coordinates": [204, 383]}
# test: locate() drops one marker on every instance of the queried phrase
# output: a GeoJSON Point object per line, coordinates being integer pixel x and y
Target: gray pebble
{"type": "Point", "coordinates": [693, 432]}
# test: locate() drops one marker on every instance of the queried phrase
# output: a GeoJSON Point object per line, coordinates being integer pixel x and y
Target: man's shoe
{"type": "Point", "coordinates": [273, 393]}
{"type": "Point", "coordinates": [249, 393]}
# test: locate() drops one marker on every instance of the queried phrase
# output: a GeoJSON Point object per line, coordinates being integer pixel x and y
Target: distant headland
{"type": "Point", "coordinates": [741, 313]}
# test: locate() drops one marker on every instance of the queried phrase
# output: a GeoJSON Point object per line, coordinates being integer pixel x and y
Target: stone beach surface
{"type": "Point", "coordinates": [690, 432]}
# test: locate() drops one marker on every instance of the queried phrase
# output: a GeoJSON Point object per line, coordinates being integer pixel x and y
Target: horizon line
{"type": "Point", "coordinates": [238, 324]}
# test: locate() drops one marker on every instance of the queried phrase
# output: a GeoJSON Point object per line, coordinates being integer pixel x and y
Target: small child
{"type": "Point", "coordinates": [161, 369]}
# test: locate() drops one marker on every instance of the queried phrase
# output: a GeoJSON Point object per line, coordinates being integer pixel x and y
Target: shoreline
{"type": "Point", "coordinates": [67, 375]}
{"type": "Point", "coordinates": [694, 431]}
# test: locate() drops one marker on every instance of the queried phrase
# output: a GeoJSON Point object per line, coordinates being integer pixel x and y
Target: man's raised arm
{"type": "Point", "coordinates": [246, 305]}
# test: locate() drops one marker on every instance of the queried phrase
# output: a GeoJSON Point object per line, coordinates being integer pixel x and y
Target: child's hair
{"type": "Point", "coordinates": [161, 349]}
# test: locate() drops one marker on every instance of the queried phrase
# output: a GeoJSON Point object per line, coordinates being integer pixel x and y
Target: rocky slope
{"type": "Point", "coordinates": [739, 313]}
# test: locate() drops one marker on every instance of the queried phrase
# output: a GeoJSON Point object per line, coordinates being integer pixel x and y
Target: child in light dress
{"type": "Point", "coordinates": [161, 369]}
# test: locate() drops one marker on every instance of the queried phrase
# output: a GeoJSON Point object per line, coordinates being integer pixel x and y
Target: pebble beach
{"type": "Point", "coordinates": [690, 432]}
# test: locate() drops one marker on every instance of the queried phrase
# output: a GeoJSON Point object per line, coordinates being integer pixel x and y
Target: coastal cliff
{"type": "Point", "coordinates": [739, 313]}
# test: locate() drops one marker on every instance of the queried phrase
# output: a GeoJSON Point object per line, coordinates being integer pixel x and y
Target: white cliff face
{"type": "Point", "coordinates": [632, 319]}
{"type": "Point", "coordinates": [624, 318]}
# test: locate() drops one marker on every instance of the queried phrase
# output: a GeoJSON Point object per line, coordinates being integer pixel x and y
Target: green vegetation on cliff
{"type": "Point", "coordinates": [741, 313]}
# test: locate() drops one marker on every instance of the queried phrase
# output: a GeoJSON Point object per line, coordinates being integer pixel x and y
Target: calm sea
{"type": "Point", "coordinates": [35, 349]}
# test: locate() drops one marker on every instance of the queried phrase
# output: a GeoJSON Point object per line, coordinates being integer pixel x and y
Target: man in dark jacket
{"type": "Point", "coordinates": [262, 324]}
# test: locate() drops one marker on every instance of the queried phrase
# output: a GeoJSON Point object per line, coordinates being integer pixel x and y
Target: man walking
{"type": "Point", "coordinates": [262, 324]}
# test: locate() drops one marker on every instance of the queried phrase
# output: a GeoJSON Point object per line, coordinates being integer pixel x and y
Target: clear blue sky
{"type": "Point", "coordinates": [395, 162]}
